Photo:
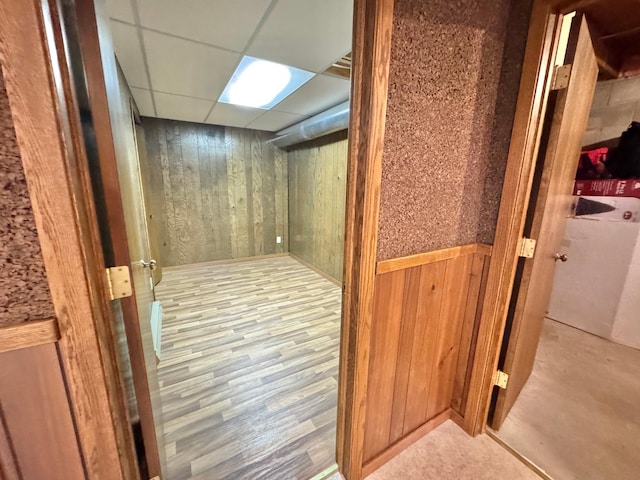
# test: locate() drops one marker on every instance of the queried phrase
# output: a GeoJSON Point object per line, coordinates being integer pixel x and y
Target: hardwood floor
{"type": "Point", "coordinates": [249, 370]}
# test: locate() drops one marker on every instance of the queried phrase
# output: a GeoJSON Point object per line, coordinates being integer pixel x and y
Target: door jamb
{"type": "Point", "coordinates": [45, 121]}
{"type": "Point", "coordinates": [65, 215]}
{"type": "Point", "coordinates": [372, 29]}
{"type": "Point", "coordinates": [535, 87]}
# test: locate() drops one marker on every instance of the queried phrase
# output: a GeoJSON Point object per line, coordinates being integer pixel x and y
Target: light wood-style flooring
{"type": "Point", "coordinates": [578, 416]}
{"type": "Point", "coordinates": [249, 370]}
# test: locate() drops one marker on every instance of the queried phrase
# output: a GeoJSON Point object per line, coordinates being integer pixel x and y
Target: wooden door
{"type": "Point", "coordinates": [139, 246]}
{"type": "Point", "coordinates": [114, 165]}
{"type": "Point", "coordinates": [151, 216]}
{"type": "Point", "coordinates": [549, 208]}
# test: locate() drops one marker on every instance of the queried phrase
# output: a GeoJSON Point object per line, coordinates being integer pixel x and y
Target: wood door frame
{"type": "Point", "coordinates": [46, 122]}
{"type": "Point", "coordinates": [535, 88]}
{"type": "Point", "coordinates": [50, 139]}
{"type": "Point", "coordinates": [371, 58]}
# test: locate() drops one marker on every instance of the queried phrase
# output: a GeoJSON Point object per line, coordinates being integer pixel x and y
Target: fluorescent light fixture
{"type": "Point", "coordinates": [262, 84]}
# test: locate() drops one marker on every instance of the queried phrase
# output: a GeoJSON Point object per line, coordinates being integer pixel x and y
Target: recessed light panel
{"type": "Point", "coordinates": [262, 84]}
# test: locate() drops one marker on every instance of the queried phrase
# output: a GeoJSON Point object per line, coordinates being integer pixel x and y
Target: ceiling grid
{"type": "Point", "coordinates": [178, 56]}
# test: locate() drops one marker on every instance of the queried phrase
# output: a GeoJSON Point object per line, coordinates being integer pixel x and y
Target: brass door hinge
{"type": "Point", "coordinates": [501, 379]}
{"type": "Point", "coordinates": [119, 282]}
{"type": "Point", "coordinates": [561, 75]}
{"type": "Point", "coordinates": [527, 247]}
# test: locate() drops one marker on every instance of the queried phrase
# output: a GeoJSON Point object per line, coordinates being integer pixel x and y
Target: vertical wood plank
{"type": "Point", "coordinates": [35, 412]}
{"type": "Point", "coordinates": [269, 201]}
{"type": "Point", "coordinates": [469, 325]}
{"type": "Point", "coordinates": [222, 223]}
{"type": "Point", "coordinates": [423, 351]}
{"type": "Point", "coordinates": [179, 236]}
{"type": "Point", "coordinates": [193, 211]}
{"type": "Point", "coordinates": [451, 313]}
{"type": "Point", "coordinates": [282, 197]}
{"type": "Point", "coordinates": [257, 155]}
{"type": "Point", "coordinates": [404, 365]}
{"type": "Point", "coordinates": [208, 192]}
{"type": "Point", "coordinates": [317, 186]}
{"type": "Point", "coordinates": [385, 335]}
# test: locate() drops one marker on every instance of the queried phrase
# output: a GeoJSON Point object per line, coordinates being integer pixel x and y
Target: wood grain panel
{"type": "Point", "coordinates": [28, 334]}
{"type": "Point", "coordinates": [317, 193]}
{"type": "Point", "coordinates": [219, 192]}
{"type": "Point", "coordinates": [420, 321]}
{"type": "Point", "coordinates": [385, 338]}
{"type": "Point", "coordinates": [35, 415]}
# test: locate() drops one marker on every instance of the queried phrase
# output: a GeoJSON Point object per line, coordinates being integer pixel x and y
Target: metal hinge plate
{"type": "Point", "coordinates": [561, 75]}
{"type": "Point", "coordinates": [501, 379]}
{"type": "Point", "coordinates": [527, 247]}
{"type": "Point", "coordinates": [119, 282]}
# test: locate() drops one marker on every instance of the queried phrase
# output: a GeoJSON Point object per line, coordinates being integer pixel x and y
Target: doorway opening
{"type": "Point", "coordinates": [572, 342]}
{"type": "Point", "coordinates": [234, 201]}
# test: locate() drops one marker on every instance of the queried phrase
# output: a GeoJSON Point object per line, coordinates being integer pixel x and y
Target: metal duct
{"type": "Point", "coordinates": [329, 121]}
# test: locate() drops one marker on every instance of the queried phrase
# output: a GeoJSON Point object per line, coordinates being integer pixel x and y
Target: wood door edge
{"type": "Point", "coordinates": [372, 30]}
{"type": "Point", "coordinates": [535, 83]}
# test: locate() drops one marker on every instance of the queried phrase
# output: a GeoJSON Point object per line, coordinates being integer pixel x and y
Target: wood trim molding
{"type": "Point", "coordinates": [535, 85]}
{"type": "Point", "coordinates": [28, 334]}
{"type": "Point", "coordinates": [372, 29]}
{"type": "Point", "coordinates": [375, 463]}
{"type": "Point", "coordinates": [400, 263]}
{"type": "Point", "coordinates": [65, 220]}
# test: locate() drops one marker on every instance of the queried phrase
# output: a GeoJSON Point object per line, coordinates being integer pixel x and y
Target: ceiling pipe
{"type": "Point", "coordinates": [329, 121]}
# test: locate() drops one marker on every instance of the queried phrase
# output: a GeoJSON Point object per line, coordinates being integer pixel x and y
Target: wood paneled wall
{"type": "Point", "coordinates": [425, 315]}
{"type": "Point", "coordinates": [37, 438]}
{"type": "Point", "coordinates": [317, 196]}
{"type": "Point", "coordinates": [221, 192]}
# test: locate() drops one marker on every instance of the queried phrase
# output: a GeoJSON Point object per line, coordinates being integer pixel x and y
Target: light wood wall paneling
{"type": "Point", "coordinates": [219, 192]}
{"type": "Point", "coordinates": [425, 313]}
{"type": "Point", "coordinates": [317, 195]}
{"type": "Point", "coordinates": [32, 395]}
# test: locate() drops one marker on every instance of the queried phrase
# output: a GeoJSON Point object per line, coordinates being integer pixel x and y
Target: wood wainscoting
{"type": "Point", "coordinates": [423, 332]}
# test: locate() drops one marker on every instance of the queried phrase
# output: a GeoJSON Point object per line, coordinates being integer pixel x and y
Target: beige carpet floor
{"type": "Point", "coordinates": [448, 453]}
{"type": "Point", "coordinates": [578, 417]}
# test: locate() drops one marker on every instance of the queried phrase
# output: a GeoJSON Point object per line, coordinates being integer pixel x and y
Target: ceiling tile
{"type": "Point", "coordinates": [121, 10]}
{"type": "Point", "coordinates": [233, 116]}
{"type": "Point", "coordinates": [143, 101]}
{"type": "Point", "coordinates": [187, 68]}
{"type": "Point", "coordinates": [175, 107]}
{"type": "Point", "coordinates": [224, 23]}
{"type": "Point", "coordinates": [307, 34]}
{"type": "Point", "coordinates": [129, 52]}
{"type": "Point", "coordinates": [317, 95]}
{"type": "Point", "coordinates": [273, 121]}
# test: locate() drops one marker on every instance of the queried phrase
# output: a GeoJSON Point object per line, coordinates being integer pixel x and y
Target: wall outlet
{"type": "Point", "coordinates": [278, 239]}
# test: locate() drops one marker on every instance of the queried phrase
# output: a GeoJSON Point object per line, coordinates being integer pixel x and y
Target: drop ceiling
{"type": "Point", "coordinates": [178, 56]}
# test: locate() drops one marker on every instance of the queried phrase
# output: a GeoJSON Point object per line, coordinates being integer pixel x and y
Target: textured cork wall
{"type": "Point", "coordinates": [24, 292]}
{"type": "Point", "coordinates": [454, 77]}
